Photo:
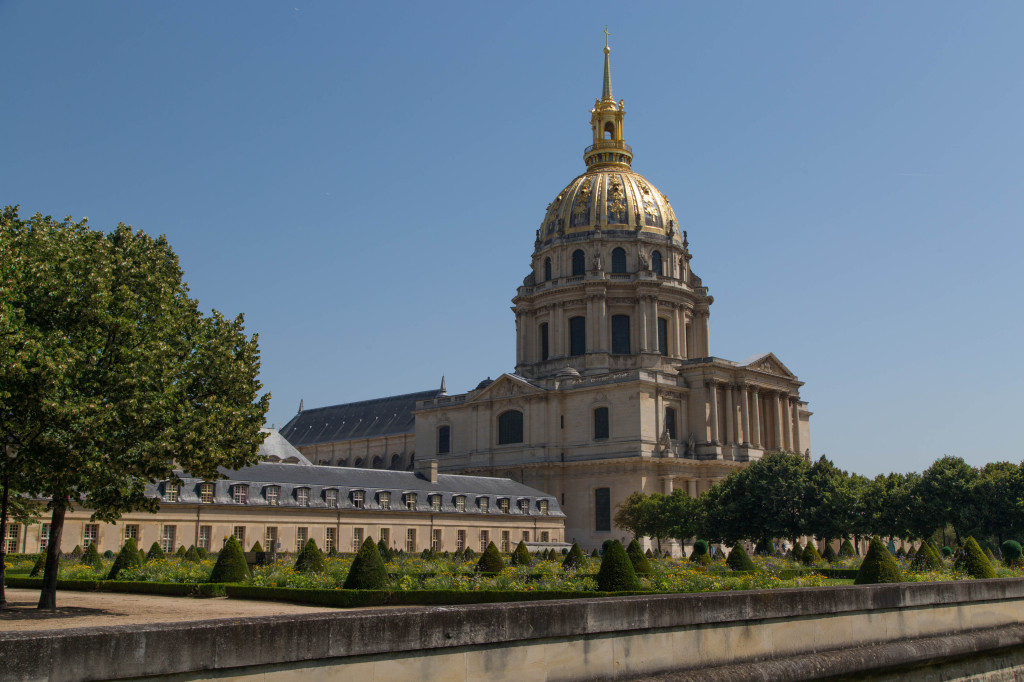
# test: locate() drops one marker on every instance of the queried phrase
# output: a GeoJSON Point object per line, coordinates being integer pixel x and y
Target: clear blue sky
{"type": "Point", "coordinates": [363, 181]}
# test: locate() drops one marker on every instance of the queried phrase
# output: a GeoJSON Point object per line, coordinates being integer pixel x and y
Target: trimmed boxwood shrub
{"type": "Point", "coordinates": [230, 566]}
{"type": "Point", "coordinates": [878, 566]}
{"type": "Point", "coordinates": [76, 553]}
{"type": "Point", "coordinates": [385, 551]}
{"type": "Point", "coordinates": [810, 554]}
{"type": "Point", "coordinates": [973, 562]}
{"type": "Point", "coordinates": [38, 566]}
{"type": "Point", "coordinates": [310, 559]}
{"type": "Point", "coordinates": [739, 560]}
{"type": "Point", "coordinates": [155, 552]}
{"type": "Point", "coordinates": [829, 554]}
{"type": "Point", "coordinates": [91, 556]}
{"type": "Point", "coordinates": [491, 563]}
{"type": "Point", "coordinates": [192, 555]}
{"type": "Point", "coordinates": [128, 557]}
{"type": "Point", "coordinates": [574, 559]}
{"type": "Point", "coordinates": [947, 552]}
{"type": "Point", "coordinates": [594, 553]}
{"type": "Point", "coordinates": [846, 549]}
{"type": "Point", "coordinates": [468, 554]}
{"type": "Point", "coordinates": [256, 547]}
{"type": "Point", "coordinates": [367, 571]}
{"type": "Point", "coordinates": [181, 551]}
{"type": "Point", "coordinates": [797, 552]}
{"type": "Point", "coordinates": [202, 552]}
{"type": "Point", "coordinates": [1011, 553]}
{"type": "Point", "coordinates": [927, 558]}
{"type": "Point", "coordinates": [700, 555]}
{"type": "Point", "coordinates": [764, 548]}
{"type": "Point", "coordinates": [520, 556]}
{"type": "Point", "coordinates": [616, 572]}
{"type": "Point", "coordinates": [641, 566]}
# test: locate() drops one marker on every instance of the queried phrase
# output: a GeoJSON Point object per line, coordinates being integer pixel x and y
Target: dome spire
{"type": "Point", "coordinates": [606, 89]}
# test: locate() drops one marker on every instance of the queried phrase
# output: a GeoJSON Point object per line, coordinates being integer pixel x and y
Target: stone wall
{"type": "Point", "coordinates": [966, 626]}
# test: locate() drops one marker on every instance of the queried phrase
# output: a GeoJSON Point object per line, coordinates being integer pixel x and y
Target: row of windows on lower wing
{"type": "Point", "coordinates": [510, 428]}
{"type": "Point", "coordinates": [272, 494]}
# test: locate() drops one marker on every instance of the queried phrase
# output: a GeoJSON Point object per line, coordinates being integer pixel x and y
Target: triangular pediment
{"type": "Point", "coordinates": [769, 364]}
{"type": "Point", "coordinates": [507, 386]}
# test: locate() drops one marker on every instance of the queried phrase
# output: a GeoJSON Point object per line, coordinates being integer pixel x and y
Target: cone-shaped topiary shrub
{"type": "Point", "coordinates": [1011, 553]}
{"type": "Point", "coordinates": [128, 557]}
{"type": "Point", "coordinates": [739, 560]}
{"type": "Point", "coordinates": [91, 557]}
{"type": "Point", "coordinates": [469, 554]}
{"type": "Point", "coordinates": [991, 557]}
{"type": "Point", "coordinates": [154, 552]}
{"type": "Point", "coordinates": [829, 554]}
{"type": "Point", "coordinates": [700, 555]}
{"type": "Point", "coordinates": [641, 566]}
{"type": "Point", "coordinates": [180, 551]}
{"type": "Point", "coordinates": [973, 562]}
{"type": "Point", "coordinates": [594, 553]}
{"type": "Point", "coordinates": [368, 571]}
{"type": "Point", "coordinates": [38, 566]}
{"type": "Point", "coordinates": [256, 547]}
{"type": "Point", "coordinates": [901, 553]}
{"type": "Point", "coordinates": [927, 558]}
{"type": "Point", "coordinates": [616, 572]}
{"type": "Point", "coordinates": [202, 552]}
{"type": "Point", "coordinates": [810, 554]}
{"type": "Point", "coordinates": [649, 554]}
{"type": "Point", "coordinates": [797, 553]}
{"type": "Point", "coordinates": [457, 555]}
{"type": "Point", "coordinates": [76, 553]}
{"type": "Point", "coordinates": [574, 559]}
{"type": "Point", "coordinates": [878, 566]}
{"type": "Point", "coordinates": [911, 553]}
{"type": "Point", "coordinates": [230, 566]}
{"type": "Point", "coordinates": [425, 554]}
{"type": "Point", "coordinates": [192, 554]}
{"type": "Point", "coordinates": [490, 562]}
{"type": "Point", "coordinates": [947, 552]}
{"type": "Point", "coordinates": [846, 549]}
{"type": "Point", "coordinates": [764, 548]}
{"type": "Point", "coordinates": [521, 556]}
{"type": "Point", "coordinates": [310, 559]}
{"type": "Point", "coordinates": [384, 550]}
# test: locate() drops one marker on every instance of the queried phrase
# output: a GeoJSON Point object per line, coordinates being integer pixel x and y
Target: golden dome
{"type": "Point", "coordinates": [609, 199]}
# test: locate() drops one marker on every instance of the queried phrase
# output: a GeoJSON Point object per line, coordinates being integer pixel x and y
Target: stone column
{"type": "Point", "coordinates": [519, 338]}
{"type": "Point", "coordinates": [796, 427]}
{"type": "Point", "coordinates": [730, 417]}
{"type": "Point", "coordinates": [713, 400]}
{"type": "Point", "coordinates": [745, 415]}
{"type": "Point", "coordinates": [561, 333]}
{"type": "Point", "coordinates": [666, 485]}
{"type": "Point", "coordinates": [590, 325]}
{"type": "Point", "coordinates": [642, 329]}
{"type": "Point", "coordinates": [755, 427]}
{"type": "Point", "coordinates": [706, 333]}
{"type": "Point", "coordinates": [603, 323]}
{"type": "Point", "coordinates": [787, 425]}
{"type": "Point", "coordinates": [652, 324]}
{"type": "Point", "coordinates": [691, 488]}
{"type": "Point", "coordinates": [777, 420]}
{"type": "Point", "coordinates": [675, 343]}
{"type": "Point", "coordinates": [687, 339]}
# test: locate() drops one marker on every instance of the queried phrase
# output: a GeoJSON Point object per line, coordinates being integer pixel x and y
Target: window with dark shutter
{"type": "Point", "coordinates": [600, 423]}
{"type": "Point", "coordinates": [510, 427]}
{"type": "Point", "coordinates": [602, 509]}
{"type": "Point", "coordinates": [620, 334]}
{"type": "Point", "coordinates": [577, 335]}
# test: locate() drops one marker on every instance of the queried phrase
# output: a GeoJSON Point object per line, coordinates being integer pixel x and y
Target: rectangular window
{"type": "Point", "coordinates": [524, 506]}
{"type": "Point", "coordinates": [602, 509]}
{"type": "Point", "coordinates": [410, 540]}
{"type": "Point", "coordinates": [460, 540]}
{"type": "Point", "coordinates": [435, 540]}
{"type": "Point", "coordinates": [410, 501]}
{"type": "Point", "coordinates": [91, 534]}
{"type": "Point", "coordinates": [271, 539]}
{"type": "Point", "coordinates": [329, 540]}
{"type": "Point", "coordinates": [44, 537]}
{"type": "Point", "coordinates": [13, 533]}
{"type": "Point", "coordinates": [385, 500]}
{"type": "Point", "coordinates": [357, 498]}
{"type": "Point", "coordinates": [206, 493]}
{"type": "Point", "coordinates": [205, 533]}
{"type": "Point", "coordinates": [385, 536]}
{"type": "Point", "coordinates": [444, 440]}
{"type": "Point", "coordinates": [301, 538]}
{"type": "Point", "coordinates": [544, 341]}
{"type": "Point", "coordinates": [239, 534]}
{"type": "Point", "coordinates": [503, 505]}
{"type": "Point", "coordinates": [170, 492]}
{"type": "Point", "coordinates": [506, 542]}
{"type": "Point", "coordinates": [240, 494]}
{"type": "Point", "coordinates": [670, 422]}
{"type": "Point", "coordinates": [544, 536]}
{"type": "Point", "coordinates": [485, 538]}
{"type": "Point", "coordinates": [131, 532]}
{"type": "Point", "coordinates": [663, 336]}
{"type": "Point", "coordinates": [485, 505]}
{"type": "Point", "coordinates": [435, 502]}
{"type": "Point", "coordinates": [543, 506]}
{"type": "Point", "coordinates": [526, 536]}
{"type": "Point", "coordinates": [273, 494]}
{"type": "Point", "coordinates": [302, 497]}
{"type": "Point", "coordinates": [620, 334]}
{"type": "Point", "coordinates": [357, 539]}
{"type": "Point", "coordinates": [600, 423]}
{"type": "Point", "coordinates": [169, 541]}
{"type": "Point", "coordinates": [332, 498]}
{"type": "Point", "coordinates": [460, 503]}
{"type": "Point", "coordinates": [510, 427]}
{"type": "Point", "coordinates": [577, 335]}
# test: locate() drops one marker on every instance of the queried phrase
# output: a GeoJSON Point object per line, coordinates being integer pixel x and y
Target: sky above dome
{"type": "Point", "coordinates": [364, 180]}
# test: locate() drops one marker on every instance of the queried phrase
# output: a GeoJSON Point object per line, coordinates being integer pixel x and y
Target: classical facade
{"type": "Point", "coordinates": [284, 501]}
{"type": "Point", "coordinates": [615, 387]}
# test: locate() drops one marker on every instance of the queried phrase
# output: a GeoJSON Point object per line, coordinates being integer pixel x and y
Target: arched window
{"type": "Point", "coordinates": [547, 269]}
{"type": "Point", "coordinates": [444, 440]}
{"type": "Point", "coordinates": [618, 260]}
{"type": "Point", "coordinates": [600, 423]}
{"type": "Point", "coordinates": [656, 263]}
{"type": "Point", "coordinates": [663, 336]}
{"type": "Point", "coordinates": [359, 462]}
{"type": "Point", "coordinates": [510, 427]}
{"type": "Point", "coordinates": [378, 462]}
{"type": "Point", "coordinates": [396, 462]}
{"type": "Point", "coordinates": [577, 335]}
{"type": "Point", "coordinates": [579, 262]}
{"type": "Point", "coordinates": [670, 422]}
{"type": "Point", "coordinates": [609, 130]}
{"type": "Point", "coordinates": [620, 334]}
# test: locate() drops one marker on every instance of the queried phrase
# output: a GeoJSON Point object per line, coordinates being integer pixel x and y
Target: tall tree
{"type": "Point", "coordinates": [998, 496]}
{"type": "Point", "coordinates": [112, 376]}
{"type": "Point", "coordinates": [830, 502]}
{"type": "Point", "coordinates": [946, 495]}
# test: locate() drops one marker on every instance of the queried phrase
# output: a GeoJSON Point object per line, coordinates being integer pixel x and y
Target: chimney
{"type": "Point", "coordinates": [427, 469]}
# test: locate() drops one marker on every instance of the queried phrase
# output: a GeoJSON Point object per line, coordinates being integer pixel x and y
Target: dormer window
{"type": "Point", "coordinates": [542, 506]}
{"type": "Point", "coordinates": [384, 498]}
{"type": "Point", "coordinates": [331, 498]}
{"type": "Point", "coordinates": [302, 497]}
{"type": "Point", "coordinates": [485, 504]}
{"type": "Point", "coordinates": [524, 506]}
{"type": "Point", "coordinates": [170, 492]}
{"type": "Point", "coordinates": [410, 501]}
{"type": "Point", "coordinates": [240, 493]}
{"type": "Point", "coordinates": [273, 494]}
{"type": "Point", "coordinates": [503, 505]}
{"type": "Point", "coordinates": [435, 502]}
{"type": "Point", "coordinates": [206, 493]}
{"type": "Point", "coordinates": [460, 503]}
{"type": "Point", "coordinates": [357, 498]}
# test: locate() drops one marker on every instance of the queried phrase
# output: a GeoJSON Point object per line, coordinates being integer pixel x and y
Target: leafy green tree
{"type": "Point", "coordinates": [110, 373]}
{"type": "Point", "coordinates": [998, 497]}
{"type": "Point", "coordinates": [946, 498]}
{"type": "Point", "coordinates": [367, 571]}
{"type": "Point", "coordinates": [830, 502]}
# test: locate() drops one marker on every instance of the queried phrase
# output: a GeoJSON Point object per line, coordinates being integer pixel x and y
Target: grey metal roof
{"type": "Point", "coordinates": [387, 416]}
{"type": "Point", "coordinates": [275, 448]}
{"type": "Point", "coordinates": [288, 478]}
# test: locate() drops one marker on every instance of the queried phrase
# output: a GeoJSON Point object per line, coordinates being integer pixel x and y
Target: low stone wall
{"type": "Point", "coordinates": [772, 634]}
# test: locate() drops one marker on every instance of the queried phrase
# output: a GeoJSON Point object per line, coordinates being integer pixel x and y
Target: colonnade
{"type": "Point", "coordinates": [754, 416]}
{"type": "Point", "coordinates": [693, 485]}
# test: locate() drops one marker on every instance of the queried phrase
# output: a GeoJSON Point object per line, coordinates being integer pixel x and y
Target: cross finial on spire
{"type": "Point", "coordinates": [606, 89]}
{"type": "Point", "coordinates": [606, 34]}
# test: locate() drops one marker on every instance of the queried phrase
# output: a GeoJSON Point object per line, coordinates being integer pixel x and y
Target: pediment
{"type": "Point", "coordinates": [769, 364]}
{"type": "Point", "coordinates": [507, 386]}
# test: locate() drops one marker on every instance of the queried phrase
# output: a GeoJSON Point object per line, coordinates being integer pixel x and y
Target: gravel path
{"type": "Point", "coordinates": [91, 609]}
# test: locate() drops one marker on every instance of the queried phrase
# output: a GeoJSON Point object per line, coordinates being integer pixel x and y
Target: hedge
{"type": "Point", "coordinates": [126, 586]}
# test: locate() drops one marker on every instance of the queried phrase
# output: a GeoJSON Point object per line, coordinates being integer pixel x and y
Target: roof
{"type": "Point", "coordinates": [387, 416]}
{"type": "Point", "coordinates": [276, 449]}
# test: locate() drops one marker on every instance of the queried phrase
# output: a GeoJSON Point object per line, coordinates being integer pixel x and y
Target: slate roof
{"type": "Point", "coordinates": [387, 416]}
{"type": "Point", "coordinates": [318, 479]}
{"type": "Point", "coordinates": [275, 448]}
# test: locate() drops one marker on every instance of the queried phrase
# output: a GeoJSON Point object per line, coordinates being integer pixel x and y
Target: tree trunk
{"type": "Point", "coordinates": [3, 533]}
{"type": "Point", "coordinates": [48, 595]}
